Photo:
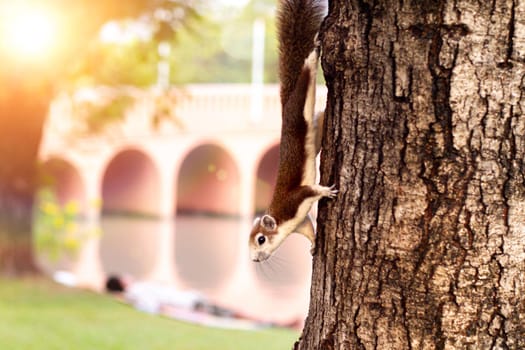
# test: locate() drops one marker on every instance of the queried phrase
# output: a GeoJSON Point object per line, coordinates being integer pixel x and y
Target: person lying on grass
{"type": "Point", "coordinates": [192, 306]}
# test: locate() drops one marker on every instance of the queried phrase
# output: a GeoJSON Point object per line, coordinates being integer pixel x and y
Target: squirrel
{"type": "Point", "coordinates": [298, 23]}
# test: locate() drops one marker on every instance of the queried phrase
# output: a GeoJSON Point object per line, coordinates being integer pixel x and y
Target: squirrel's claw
{"type": "Point", "coordinates": [329, 192]}
{"type": "Point", "coordinates": [312, 248]}
{"type": "Point", "coordinates": [333, 192]}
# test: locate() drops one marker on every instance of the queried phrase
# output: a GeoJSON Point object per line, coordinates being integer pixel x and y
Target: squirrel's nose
{"type": "Point", "coordinates": [260, 256]}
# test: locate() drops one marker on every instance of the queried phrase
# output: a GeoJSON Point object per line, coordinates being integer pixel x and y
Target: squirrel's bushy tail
{"type": "Point", "coordinates": [298, 22]}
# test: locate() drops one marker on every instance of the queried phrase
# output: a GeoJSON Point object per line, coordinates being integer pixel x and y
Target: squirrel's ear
{"type": "Point", "coordinates": [256, 221]}
{"type": "Point", "coordinates": [268, 222]}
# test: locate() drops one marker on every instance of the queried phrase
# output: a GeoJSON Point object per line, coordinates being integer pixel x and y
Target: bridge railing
{"type": "Point", "coordinates": [198, 108]}
{"type": "Point", "coordinates": [231, 106]}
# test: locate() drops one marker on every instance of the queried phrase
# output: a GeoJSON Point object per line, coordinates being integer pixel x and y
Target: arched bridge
{"type": "Point", "coordinates": [219, 160]}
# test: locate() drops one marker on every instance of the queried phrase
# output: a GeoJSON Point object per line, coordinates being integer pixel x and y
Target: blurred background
{"type": "Point", "coordinates": [141, 138]}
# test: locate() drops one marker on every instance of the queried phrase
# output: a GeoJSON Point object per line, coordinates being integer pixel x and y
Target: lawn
{"type": "Point", "coordinates": [38, 314]}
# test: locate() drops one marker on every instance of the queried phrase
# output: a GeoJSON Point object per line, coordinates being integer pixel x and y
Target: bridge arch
{"type": "Point", "coordinates": [265, 178]}
{"type": "Point", "coordinates": [130, 189]}
{"type": "Point", "coordinates": [130, 184]}
{"type": "Point", "coordinates": [208, 183]}
{"type": "Point", "coordinates": [65, 180]}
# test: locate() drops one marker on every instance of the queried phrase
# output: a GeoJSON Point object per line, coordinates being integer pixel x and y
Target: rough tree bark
{"type": "Point", "coordinates": [424, 247]}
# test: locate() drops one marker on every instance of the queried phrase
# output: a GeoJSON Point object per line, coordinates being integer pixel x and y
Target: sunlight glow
{"type": "Point", "coordinates": [28, 32]}
{"type": "Point", "coordinates": [238, 3]}
{"type": "Point", "coordinates": [122, 32]}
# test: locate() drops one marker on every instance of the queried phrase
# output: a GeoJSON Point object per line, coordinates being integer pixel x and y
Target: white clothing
{"type": "Point", "coordinates": [150, 297]}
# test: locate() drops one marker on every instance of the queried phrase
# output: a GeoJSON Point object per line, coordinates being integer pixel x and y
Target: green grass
{"type": "Point", "coordinates": [38, 314]}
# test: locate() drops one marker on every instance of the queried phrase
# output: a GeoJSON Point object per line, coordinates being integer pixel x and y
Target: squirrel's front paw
{"type": "Point", "coordinates": [330, 192]}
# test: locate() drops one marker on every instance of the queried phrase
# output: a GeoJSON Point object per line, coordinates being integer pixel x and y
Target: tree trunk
{"type": "Point", "coordinates": [23, 107]}
{"type": "Point", "coordinates": [424, 246]}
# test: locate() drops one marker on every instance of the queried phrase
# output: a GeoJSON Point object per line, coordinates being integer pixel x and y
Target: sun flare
{"type": "Point", "coordinates": [28, 33]}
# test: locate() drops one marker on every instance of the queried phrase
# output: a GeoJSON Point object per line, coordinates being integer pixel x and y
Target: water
{"type": "Point", "coordinates": [205, 250]}
{"type": "Point", "coordinates": [207, 254]}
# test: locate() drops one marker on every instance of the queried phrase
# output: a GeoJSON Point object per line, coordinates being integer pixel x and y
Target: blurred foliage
{"type": "Point", "coordinates": [208, 45]}
{"type": "Point", "coordinates": [117, 64]}
{"type": "Point", "coordinates": [80, 21]}
{"type": "Point", "coordinates": [221, 51]}
{"type": "Point", "coordinates": [95, 116]}
{"type": "Point", "coordinates": [164, 112]}
{"type": "Point", "coordinates": [134, 61]}
{"type": "Point", "coordinates": [58, 230]}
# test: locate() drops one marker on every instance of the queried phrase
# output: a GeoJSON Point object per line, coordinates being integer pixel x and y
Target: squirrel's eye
{"type": "Point", "coordinates": [261, 239]}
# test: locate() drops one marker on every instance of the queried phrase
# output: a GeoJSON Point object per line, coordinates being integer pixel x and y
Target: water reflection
{"type": "Point", "coordinates": [205, 251]}
{"type": "Point", "coordinates": [129, 245]}
{"type": "Point", "coordinates": [208, 254]}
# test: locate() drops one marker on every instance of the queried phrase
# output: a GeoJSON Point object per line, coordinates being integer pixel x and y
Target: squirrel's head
{"type": "Point", "coordinates": [263, 238]}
